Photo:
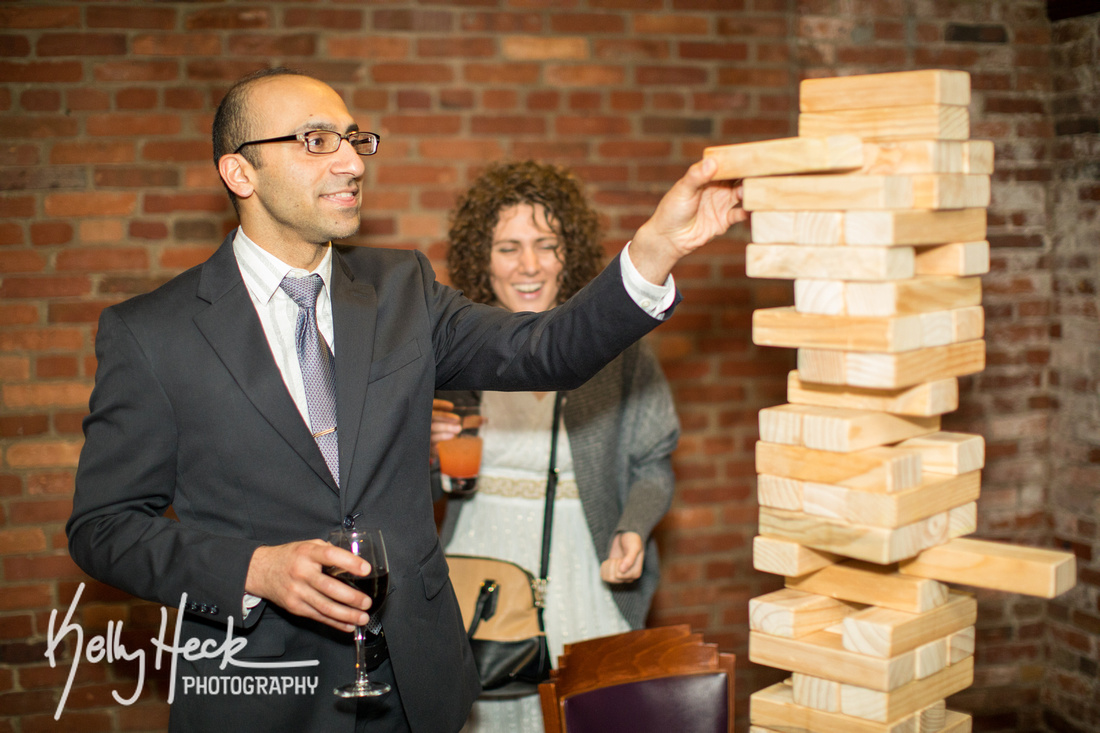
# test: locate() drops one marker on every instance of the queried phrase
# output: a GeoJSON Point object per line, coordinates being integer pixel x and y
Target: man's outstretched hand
{"type": "Point", "coordinates": [694, 211]}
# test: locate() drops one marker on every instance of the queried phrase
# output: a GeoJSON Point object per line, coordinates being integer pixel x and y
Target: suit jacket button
{"type": "Point", "coordinates": [214, 610]}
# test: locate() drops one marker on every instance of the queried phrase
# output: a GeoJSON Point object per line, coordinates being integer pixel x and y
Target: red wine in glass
{"type": "Point", "coordinates": [367, 544]}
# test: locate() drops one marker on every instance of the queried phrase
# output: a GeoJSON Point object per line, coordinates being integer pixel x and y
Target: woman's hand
{"type": "Point", "coordinates": [626, 560]}
{"type": "Point", "coordinates": [445, 424]}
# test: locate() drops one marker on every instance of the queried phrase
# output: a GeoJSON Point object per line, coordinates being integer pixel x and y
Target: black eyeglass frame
{"type": "Point", "coordinates": [303, 137]}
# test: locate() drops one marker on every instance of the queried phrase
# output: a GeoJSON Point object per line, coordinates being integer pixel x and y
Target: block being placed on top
{"type": "Point", "coordinates": [787, 156]}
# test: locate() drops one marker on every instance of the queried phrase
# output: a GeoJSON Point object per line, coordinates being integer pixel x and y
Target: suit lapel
{"type": "Point", "coordinates": [354, 312]}
{"type": "Point", "coordinates": [233, 330]}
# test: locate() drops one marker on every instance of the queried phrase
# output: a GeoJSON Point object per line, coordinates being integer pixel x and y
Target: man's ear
{"type": "Point", "coordinates": [237, 174]}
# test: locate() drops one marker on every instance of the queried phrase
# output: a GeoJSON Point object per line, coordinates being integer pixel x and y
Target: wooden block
{"type": "Point", "coordinates": [894, 89]}
{"type": "Point", "coordinates": [960, 645]}
{"type": "Point", "coordinates": [932, 718]}
{"type": "Point", "coordinates": [779, 492]}
{"type": "Point", "coordinates": [825, 297]}
{"type": "Point", "coordinates": [839, 429]}
{"type": "Point", "coordinates": [798, 227]}
{"type": "Point", "coordinates": [913, 296]}
{"type": "Point", "coordinates": [978, 156]}
{"type": "Point", "coordinates": [815, 692]}
{"type": "Point", "coordinates": [782, 557]}
{"type": "Point", "coordinates": [996, 565]}
{"type": "Point", "coordinates": [957, 723]}
{"type": "Point", "coordinates": [907, 700]}
{"type": "Point", "coordinates": [939, 328]}
{"type": "Point", "coordinates": [788, 262]}
{"type": "Point", "coordinates": [904, 157]}
{"type": "Point", "coordinates": [937, 494]}
{"type": "Point", "coordinates": [962, 520]}
{"type": "Point", "coordinates": [786, 156]}
{"type": "Point", "coordinates": [823, 651]}
{"type": "Point", "coordinates": [885, 228]}
{"type": "Point", "coordinates": [949, 453]}
{"type": "Point", "coordinates": [891, 371]}
{"type": "Point", "coordinates": [818, 193]}
{"type": "Point", "coordinates": [781, 424]}
{"type": "Point", "coordinates": [935, 121]}
{"type": "Point", "coordinates": [923, 400]}
{"type": "Point", "coordinates": [930, 658]}
{"type": "Point", "coordinates": [786, 327]}
{"type": "Point", "coordinates": [873, 544]}
{"type": "Point", "coordinates": [881, 631]}
{"type": "Point", "coordinates": [950, 191]}
{"type": "Point", "coordinates": [955, 259]}
{"type": "Point", "coordinates": [874, 469]}
{"type": "Point", "coordinates": [883, 587]}
{"type": "Point", "coordinates": [793, 614]}
{"type": "Point", "coordinates": [774, 708]}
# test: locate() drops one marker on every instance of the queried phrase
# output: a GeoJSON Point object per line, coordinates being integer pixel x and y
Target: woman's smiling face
{"type": "Point", "coordinates": [524, 268]}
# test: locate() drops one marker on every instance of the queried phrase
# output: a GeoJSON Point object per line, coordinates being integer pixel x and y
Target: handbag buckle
{"type": "Point", "coordinates": [538, 589]}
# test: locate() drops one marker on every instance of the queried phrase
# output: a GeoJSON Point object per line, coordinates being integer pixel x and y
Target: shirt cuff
{"type": "Point", "coordinates": [250, 602]}
{"type": "Point", "coordinates": [653, 299]}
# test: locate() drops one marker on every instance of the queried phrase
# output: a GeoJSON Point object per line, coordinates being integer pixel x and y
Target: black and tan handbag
{"type": "Point", "coordinates": [502, 606]}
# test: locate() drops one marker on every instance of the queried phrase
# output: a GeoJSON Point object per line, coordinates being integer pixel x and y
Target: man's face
{"type": "Point", "coordinates": [299, 197]}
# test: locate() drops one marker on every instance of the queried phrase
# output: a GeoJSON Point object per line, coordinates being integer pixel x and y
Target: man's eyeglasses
{"type": "Point", "coordinates": [324, 142]}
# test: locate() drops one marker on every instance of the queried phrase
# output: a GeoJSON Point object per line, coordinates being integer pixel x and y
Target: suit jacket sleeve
{"type": "Point", "coordinates": [127, 475]}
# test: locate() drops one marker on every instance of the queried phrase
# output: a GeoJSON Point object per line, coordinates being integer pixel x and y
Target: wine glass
{"type": "Point", "coordinates": [367, 544]}
{"type": "Point", "coordinates": [460, 457]}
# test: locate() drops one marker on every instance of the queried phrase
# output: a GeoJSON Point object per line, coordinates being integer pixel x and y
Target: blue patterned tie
{"type": "Point", "coordinates": [318, 368]}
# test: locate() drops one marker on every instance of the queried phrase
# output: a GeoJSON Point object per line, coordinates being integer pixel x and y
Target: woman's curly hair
{"type": "Point", "coordinates": [502, 185]}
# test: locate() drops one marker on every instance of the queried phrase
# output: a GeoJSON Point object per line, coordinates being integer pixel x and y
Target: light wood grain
{"type": "Point", "coordinates": [882, 631]}
{"type": "Point", "coordinates": [892, 89]}
{"type": "Point", "coordinates": [909, 699]}
{"type": "Point", "coordinates": [786, 156]}
{"type": "Point", "coordinates": [787, 327]}
{"type": "Point", "coordinates": [949, 453]}
{"type": "Point", "coordinates": [793, 614]}
{"type": "Point", "coordinates": [891, 371]}
{"type": "Point", "coordinates": [1029, 570]}
{"type": "Point", "coordinates": [782, 557]}
{"type": "Point", "coordinates": [822, 650]}
{"type": "Point", "coordinates": [957, 259]}
{"type": "Point", "coordinates": [928, 398]}
{"type": "Point", "coordinates": [774, 709]}
{"type": "Point", "coordinates": [873, 544]}
{"type": "Point", "coordinates": [883, 469]}
{"type": "Point", "coordinates": [884, 228]}
{"type": "Point", "coordinates": [798, 227]}
{"type": "Point", "coordinates": [913, 296]}
{"type": "Point", "coordinates": [882, 586]}
{"type": "Point", "coordinates": [934, 121]}
{"type": "Point", "coordinates": [788, 262]}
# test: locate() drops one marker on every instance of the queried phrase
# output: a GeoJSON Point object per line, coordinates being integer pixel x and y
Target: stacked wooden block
{"type": "Point", "coordinates": [877, 212]}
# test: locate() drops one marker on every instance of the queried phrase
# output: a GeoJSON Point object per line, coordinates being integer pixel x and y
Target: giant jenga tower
{"type": "Point", "coordinates": [877, 211]}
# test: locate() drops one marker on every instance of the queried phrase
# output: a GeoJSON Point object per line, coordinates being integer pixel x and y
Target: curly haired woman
{"type": "Point", "coordinates": [524, 238]}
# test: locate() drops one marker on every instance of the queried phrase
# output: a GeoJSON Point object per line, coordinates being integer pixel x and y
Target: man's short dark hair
{"type": "Point", "coordinates": [232, 124]}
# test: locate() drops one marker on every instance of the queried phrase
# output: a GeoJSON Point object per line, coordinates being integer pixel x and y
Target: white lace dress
{"type": "Point", "coordinates": [504, 519]}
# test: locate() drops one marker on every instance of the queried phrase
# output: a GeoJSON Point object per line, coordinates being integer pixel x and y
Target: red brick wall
{"type": "Point", "coordinates": [107, 189]}
{"type": "Point", "coordinates": [1071, 691]}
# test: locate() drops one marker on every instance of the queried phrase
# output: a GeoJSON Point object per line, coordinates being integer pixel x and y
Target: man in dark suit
{"type": "Point", "coordinates": [205, 401]}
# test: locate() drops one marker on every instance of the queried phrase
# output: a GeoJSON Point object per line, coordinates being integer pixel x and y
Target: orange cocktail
{"type": "Point", "coordinates": [460, 457]}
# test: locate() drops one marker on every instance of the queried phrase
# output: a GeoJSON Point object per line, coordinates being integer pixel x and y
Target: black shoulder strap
{"type": "Point", "coordinates": [551, 488]}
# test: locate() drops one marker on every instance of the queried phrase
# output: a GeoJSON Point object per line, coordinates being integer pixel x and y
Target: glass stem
{"type": "Point", "coordinates": [361, 656]}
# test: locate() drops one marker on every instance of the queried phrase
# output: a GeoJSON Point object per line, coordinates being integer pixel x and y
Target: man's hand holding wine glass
{"type": "Point", "coordinates": [293, 576]}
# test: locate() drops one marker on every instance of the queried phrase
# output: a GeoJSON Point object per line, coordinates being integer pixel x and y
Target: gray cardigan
{"type": "Point", "coordinates": [622, 428]}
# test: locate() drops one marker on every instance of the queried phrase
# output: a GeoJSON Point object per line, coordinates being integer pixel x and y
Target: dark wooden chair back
{"type": "Point", "coordinates": [647, 681]}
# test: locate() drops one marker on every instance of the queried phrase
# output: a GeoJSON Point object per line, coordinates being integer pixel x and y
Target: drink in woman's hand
{"type": "Point", "coordinates": [460, 457]}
